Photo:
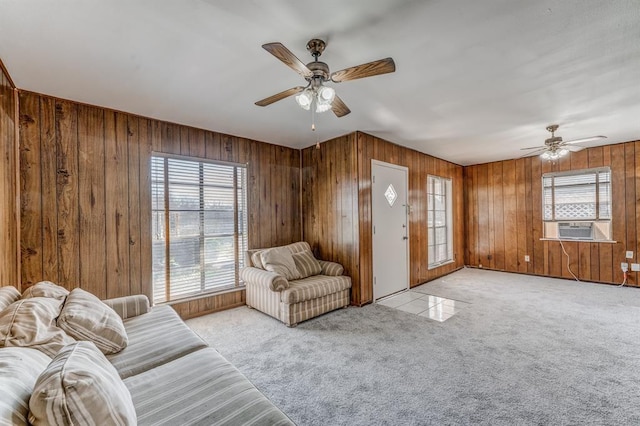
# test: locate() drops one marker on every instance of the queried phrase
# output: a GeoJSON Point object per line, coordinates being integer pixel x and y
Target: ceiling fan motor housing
{"type": "Point", "coordinates": [319, 70]}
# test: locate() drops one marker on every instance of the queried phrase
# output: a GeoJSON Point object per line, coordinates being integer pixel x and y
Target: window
{"type": "Point", "coordinates": [577, 204]}
{"type": "Point", "coordinates": [439, 221]}
{"type": "Point", "coordinates": [199, 226]}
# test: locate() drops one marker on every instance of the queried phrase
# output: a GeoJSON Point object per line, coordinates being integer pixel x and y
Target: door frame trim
{"type": "Point", "coordinates": [408, 246]}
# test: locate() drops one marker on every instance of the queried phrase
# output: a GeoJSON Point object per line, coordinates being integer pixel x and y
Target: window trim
{"type": "Point", "coordinates": [238, 255]}
{"type": "Point", "coordinates": [448, 217]}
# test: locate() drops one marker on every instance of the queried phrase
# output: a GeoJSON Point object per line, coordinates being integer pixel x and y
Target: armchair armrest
{"type": "Point", "coordinates": [331, 268]}
{"type": "Point", "coordinates": [267, 279]}
{"type": "Point", "coordinates": [129, 306]}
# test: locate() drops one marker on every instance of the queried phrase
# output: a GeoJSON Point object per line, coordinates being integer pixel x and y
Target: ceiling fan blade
{"type": "Point", "coordinates": [535, 147]}
{"type": "Point", "coordinates": [339, 108]}
{"type": "Point", "coordinates": [382, 66]}
{"type": "Point", "coordinates": [279, 96]}
{"type": "Point", "coordinates": [532, 153]}
{"type": "Point", "coordinates": [589, 139]}
{"type": "Point", "coordinates": [573, 148]}
{"type": "Point", "coordinates": [279, 51]}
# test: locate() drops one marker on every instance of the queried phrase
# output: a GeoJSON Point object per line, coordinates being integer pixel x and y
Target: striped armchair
{"type": "Point", "coordinates": [319, 286]}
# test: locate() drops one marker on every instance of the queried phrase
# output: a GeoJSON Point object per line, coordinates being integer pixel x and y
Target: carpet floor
{"type": "Point", "coordinates": [526, 351]}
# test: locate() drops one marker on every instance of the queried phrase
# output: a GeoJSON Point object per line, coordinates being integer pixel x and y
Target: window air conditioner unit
{"type": "Point", "coordinates": [575, 230]}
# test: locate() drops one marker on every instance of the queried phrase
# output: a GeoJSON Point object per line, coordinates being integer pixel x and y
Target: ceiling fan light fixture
{"type": "Point", "coordinates": [305, 99]}
{"type": "Point", "coordinates": [326, 95]}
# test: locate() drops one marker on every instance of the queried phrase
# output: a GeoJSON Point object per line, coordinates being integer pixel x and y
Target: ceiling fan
{"type": "Point", "coordinates": [315, 95]}
{"type": "Point", "coordinates": [555, 148]}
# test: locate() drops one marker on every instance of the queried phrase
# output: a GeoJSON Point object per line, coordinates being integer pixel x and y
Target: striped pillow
{"type": "Point", "coordinates": [256, 261]}
{"type": "Point", "coordinates": [32, 323]}
{"type": "Point", "coordinates": [85, 317]}
{"type": "Point", "coordinates": [280, 261]}
{"type": "Point", "coordinates": [20, 369]}
{"type": "Point", "coordinates": [80, 387]}
{"type": "Point", "coordinates": [307, 264]}
{"type": "Point", "coordinates": [46, 289]}
{"type": "Point", "coordinates": [8, 295]}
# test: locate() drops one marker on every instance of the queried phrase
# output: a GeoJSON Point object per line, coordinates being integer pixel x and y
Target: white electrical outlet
{"type": "Point", "coordinates": [635, 267]}
{"type": "Point", "coordinates": [629, 254]}
{"type": "Point", "coordinates": [624, 266]}
{"type": "Point", "coordinates": [527, 258]}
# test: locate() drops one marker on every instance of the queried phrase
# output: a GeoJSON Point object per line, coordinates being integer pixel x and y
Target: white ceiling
{"type": "Point", "coordinates": [475, 81]}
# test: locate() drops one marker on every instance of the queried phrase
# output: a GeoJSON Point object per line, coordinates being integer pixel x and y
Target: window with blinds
{"type": "Point", "coordinates": [199, 220]}
{"type": "Point", "coordinates": [439, 221]}
{"type": "Point", "coordinates": [577, 199]}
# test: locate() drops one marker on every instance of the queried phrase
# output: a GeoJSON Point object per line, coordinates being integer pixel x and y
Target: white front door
{"type": "Point", "coordinates": [390, 228]}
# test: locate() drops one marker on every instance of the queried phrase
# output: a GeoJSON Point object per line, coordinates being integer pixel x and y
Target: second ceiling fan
{"type": "Point", "coordinates": [554, 147]}
{"type": "Point", "coordinates": [315, 95]}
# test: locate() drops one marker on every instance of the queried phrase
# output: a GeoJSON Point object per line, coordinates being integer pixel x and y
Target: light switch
{"type": "Point", "coordinates": [635, 267]}
{"type": "Point", "coordinates": [629, 254]}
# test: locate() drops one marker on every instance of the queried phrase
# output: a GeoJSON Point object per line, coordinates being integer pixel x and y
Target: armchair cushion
{"type": "Point", "coordinates": [306, 264]}
{"type": "Point", "coordinates": [280, 261]}
{"type": "Point", "coordinates": [314, 288]}
{"type": "Point", "coordinates": [266, 279]}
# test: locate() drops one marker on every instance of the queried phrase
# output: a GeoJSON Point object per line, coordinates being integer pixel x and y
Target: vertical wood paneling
{"type": "Point", "coordinates": [31, 241]}
{"type": "Point", "coordinates": [91, 197]}
{"type": "Point", "coordinates": [85, 186]}
{"type": "Point", "coordinates": [337, 206]}
{"type": "Point", "coordinates": [514, 188]}
{"type": "Point", "coordinates": [9, 244]}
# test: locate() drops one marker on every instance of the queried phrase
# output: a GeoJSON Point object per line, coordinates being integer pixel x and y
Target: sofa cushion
{"type": "Point", "coordinates": [80, 387]}
{"type": "Point", "coordinates": [306, 264]}
{"type": "Point", "coordinates": [200, 388]}
{"type": "Point", "coordinates": [32, 323]}
{"type": "Point", "coordinates": [314, 287]}
{"type": "Point", "coordinates": [155, 338]}
{"type": "Point", "coordinates": [46, 289]}
{"type": "Point", "coordinates": [85, 317]}
{"type": "Point", "coordinates": [280, 261]}
{"type": "Point", "coordinates": [20, 369]}
{"type": "Point", "coordinates": [8, 295]}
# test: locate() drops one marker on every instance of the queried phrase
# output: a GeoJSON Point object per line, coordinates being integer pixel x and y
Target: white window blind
{"type": "Point", "coordinates": [583, 195]}
{"type": "Point", "coordinates": [199, 220]}
{"type": "Point", "coordinates": [439, 221]}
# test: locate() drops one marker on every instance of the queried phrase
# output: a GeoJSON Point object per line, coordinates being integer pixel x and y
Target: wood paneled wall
{"type": "Point", "coordinates": [330, 204]}
{"type": "Point", "coordinates": [86, 202]}
{"type": "Point", "coordinates": [337, 206]}
{"type": "Point", "coordinates": [420, 165]}
{"type": "Point", "coordinates": [9, 196]}
{"type": "Point", "coordinates": [504, 216]}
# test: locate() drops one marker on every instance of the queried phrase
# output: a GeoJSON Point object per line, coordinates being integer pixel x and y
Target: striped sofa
{"type": "Point", "coordinates": [172, 375]}
{"type": "Point", "coordinates": [294, 301]}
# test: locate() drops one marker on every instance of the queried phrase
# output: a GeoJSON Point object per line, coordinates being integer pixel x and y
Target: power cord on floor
{"type": "Point", "coordinates": [569, 261]}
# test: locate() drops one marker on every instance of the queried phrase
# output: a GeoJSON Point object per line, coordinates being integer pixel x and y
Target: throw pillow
{"type": "Point", "coordinates": [32, 323]}
{"type": "Point", "coordinates": [256, 261]}
{"type": "Point", "coordinates": [306, 264]}
{"type": "Point", "coordinates": [85, 317]}
{"type": "Point", "coordinates": [20, 369]}
{"type": "Point", "coordinates": [8, 295]}
{"type": "Point", "coordinates": [46, 289]}
{"type": "Point", "coordinates": [280, 261]}
{"type": "Point", "coordinates": [80, 387]}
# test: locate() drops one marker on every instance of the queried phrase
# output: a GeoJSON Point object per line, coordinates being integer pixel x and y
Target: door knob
{"type": "Point", "coordinates": [405, 238]}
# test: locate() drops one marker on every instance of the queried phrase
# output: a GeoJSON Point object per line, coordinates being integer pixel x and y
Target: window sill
{"type": "Point", "coordinates": [437, 265]}
{"type": "Point", "coordinates": [576, 240]}
{"type": "Point", "coordinates": [202, 295]}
